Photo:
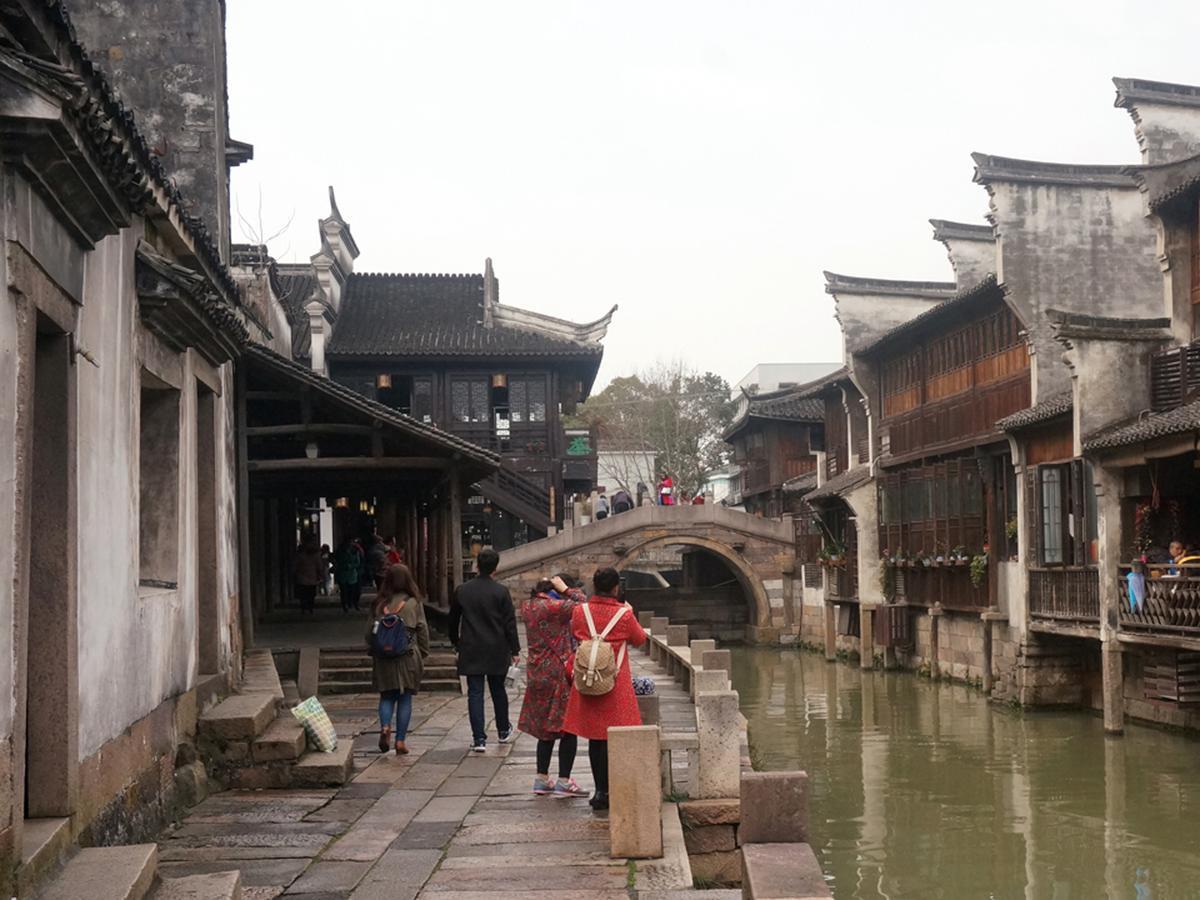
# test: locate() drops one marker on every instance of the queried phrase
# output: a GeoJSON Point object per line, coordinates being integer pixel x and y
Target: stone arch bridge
{"type": "Point", "coordinates": [759, 552]}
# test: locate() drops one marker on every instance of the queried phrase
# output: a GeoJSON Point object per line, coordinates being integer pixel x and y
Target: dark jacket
{"type": "Point", "coordinates": [483, 627]}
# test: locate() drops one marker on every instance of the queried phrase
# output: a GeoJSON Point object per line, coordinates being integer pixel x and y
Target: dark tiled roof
{"type": "Point", "coordinates": [785, 405]}
{"type": "Point", "coordinates": [852, 284]}
{"type": "Point", "coordinates": [1052, 407]}
{"type": "Point", "coordinates": [296, 286]}
{"type": "Point", "coordinates": [1002, 168]}
{"type": "Point", "coordinates": [801, 484]}
{"type": "Point", "coordinates": [386, 414]}
{"type": "Point", "coordinates": [434, 316]}
{"type": "Point", "coordinates": [820, 385]}
{"type": "Point", "coordinates": [1170, 182]}
{"type": "Point", "coordinates": [945, 230]}
{"type": "Point", "coordinates": [840, 485]}
{"type": "Point", "coordinates": [1131, 90]}
{"type": "Point", "coordinates": [963, 299]}
{"type": "Point", "coordinates": [1147, 428]}
{"type": "Point", "coordinates": [1107, 328]}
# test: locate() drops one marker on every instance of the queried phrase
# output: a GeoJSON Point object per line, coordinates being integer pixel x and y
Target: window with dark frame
{"type": "Point", "coordinates": [1067, 519]}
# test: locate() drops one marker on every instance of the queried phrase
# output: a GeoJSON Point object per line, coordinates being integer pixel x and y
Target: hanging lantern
{"type": "Point", "coordinates": [363, 505]}
{"type": "Point", "coordinates": [342, 503]}
{"type": "Point", "coordinates": [499, 381]}
{"type": "Point", "coordinates": [371, 511]}
{"type": "Point", "coordinates": [383, 382]}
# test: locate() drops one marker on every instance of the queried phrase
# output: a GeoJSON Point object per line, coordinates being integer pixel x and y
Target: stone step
{"type": "Point", "coordinates": [330, 662]}
{"type": "Point", "coordinates": [347, 674]}
{"type": "Point", "coordinates": [283, 739]}
{"type": "Point", "coordinates": [315, 769]}
{"type": "Point", "coordinates": [213, 886]}
{"type": "Point", "coordinates": [291, 693]}
{"type": "Point", "coordinates": [241, 717]}
{"type": "Point", "coordinates": [345, 687]}
{"type": "Point", "coordinates": [450, 671]}
{"type": "Point", "coordinates": [106, 873]}
{"type": "Point", "coordinates": [259, 675]}
{"type": "Point", "coordinates": [435, 685]}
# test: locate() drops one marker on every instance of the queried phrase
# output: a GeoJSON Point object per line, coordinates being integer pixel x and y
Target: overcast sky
{"type": "Point", "coordinates": [699, 163]}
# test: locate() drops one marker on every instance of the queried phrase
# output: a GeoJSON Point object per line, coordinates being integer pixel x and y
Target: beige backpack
{"type": "Point", "coordinates": [596, 666]}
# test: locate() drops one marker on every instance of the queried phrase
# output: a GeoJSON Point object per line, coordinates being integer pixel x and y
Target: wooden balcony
{"type": "Point", "coordinates": [949, 585]}
{"type": "Point", "coordinates": [1171, 607]}
{"type": "Point", "coordinates": [1068, 595]}
{"type": "Point", "coordinates": [841, 581]}
{"type": "Point", "coordinates": [893, 626]}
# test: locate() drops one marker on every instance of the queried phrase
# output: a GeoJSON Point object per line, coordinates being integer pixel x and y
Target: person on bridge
{"type": "Point", "coordinates": [601, 506]}
{"type": "Point", "coordinates": [621, 502]}
{"type": "Point", "coordinates": [666, 491]}
{"type": "Point", "coordinates": [590, 716]}
{"type": "Point", "coordinates": [483, 630]}
{"type": "Point", "coordinates": [397, 678]}
{"type": "Point", "coordinates": [547, 617]}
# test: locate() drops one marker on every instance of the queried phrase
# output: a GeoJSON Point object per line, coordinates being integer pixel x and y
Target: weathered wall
{"type": "Point", "coordinates": [1111, 382]}
{"type": "Point", "coordinates": [167, 60]}
{"type": "Point", "coordinates": [1074, 247]}
{"type": "Point", "coordinates": [865, 317]}
{"type": "Point", "coordinates": [1166, 132]}
{"type": "Point", "coordinates": [972, 260]}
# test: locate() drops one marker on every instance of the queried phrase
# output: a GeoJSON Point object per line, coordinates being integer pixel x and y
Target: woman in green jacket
{"type": "Point", "coordinates": [397, 678]}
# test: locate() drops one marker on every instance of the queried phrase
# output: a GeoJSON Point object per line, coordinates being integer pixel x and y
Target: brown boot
{"type": "Point", "coordinates": [385, 739]}
{"type": "Point", "coordinates": [401, 749]}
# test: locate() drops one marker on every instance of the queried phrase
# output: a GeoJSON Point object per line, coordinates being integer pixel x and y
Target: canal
{"type": "Point", "coordinates": [927, 790]}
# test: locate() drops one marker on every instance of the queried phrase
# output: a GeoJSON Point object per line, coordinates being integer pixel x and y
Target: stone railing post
{"type": "Point", "coordinates": [717, 659]}
{"type": "Point", "coordinates": [635, 792]}
{"type": "Point", "coordinates": [777, 861]}
{"type": "Point", "coordinates": [718, 729]}
{"type": "Point", "coordinates": [658, 629]}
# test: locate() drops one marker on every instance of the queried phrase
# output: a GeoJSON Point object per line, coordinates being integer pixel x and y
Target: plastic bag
{"type": "Point", "coordinates": [322, 735]}
{"type": "Point", "coordinates": [515, 678]}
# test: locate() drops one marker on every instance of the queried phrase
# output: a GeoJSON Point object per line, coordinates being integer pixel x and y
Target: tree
{"type": "Point", "coordinates": [671, 409]}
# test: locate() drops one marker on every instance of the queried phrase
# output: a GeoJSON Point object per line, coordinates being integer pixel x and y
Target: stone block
{"type": "Point", "coordinates": [635, 810]}
{"type": "Point", "coordinates": [644, 618]}
{"type": "Point", "coordinates": [658, 626]}
{"type": "Point", "coordinates": [191, 784]}
{"type": "Point", "coordinates": [701, 813]}
{"type": "Point", "coordinates": [677, 635]}
{"type": "Point", "coordinates": [724, 867]}
{"type": "Point", "coordinates": [283, 739]}
{"type": "Point", "coordinates": [782, 872]}
{"type": "Point", "coordinates": [308, 672]}
{"type": "Point", "coordinates": [315, 769]}
{"type": "Point", "coordinates": [774, 808]}
{"type": "Point", "coordinates": [210, 886]}
{"type": "Point", "coordinates": [717, 659]}
{"type": "Point", "coordinates": [648, 707]}
{"type": "Point", "coordinates": [718, 728]}
{"type": "Point", "coordinates": [106, 873]}
{"type": "Point", "coordinates": [710, 839]}
{"type": "Point", "coordinates": [710, 680]}
{"type": "Point", "coordinates": [240, 717]}
{"type": "Point", "coordinates": [700, 647]}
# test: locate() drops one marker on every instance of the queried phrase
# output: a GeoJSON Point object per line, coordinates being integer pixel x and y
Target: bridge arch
{"type": "Point", "coordinates": [748, 578]}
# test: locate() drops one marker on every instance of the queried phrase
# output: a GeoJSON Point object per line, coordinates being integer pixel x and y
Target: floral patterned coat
{"type": "Point", "coordinates": [551, 652]}
{"type": "Point", "coordinates": [591, 717]}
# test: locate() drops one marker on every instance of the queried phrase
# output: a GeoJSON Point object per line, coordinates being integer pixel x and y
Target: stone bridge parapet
{"type": "Point", "coordinates": [760, 552]}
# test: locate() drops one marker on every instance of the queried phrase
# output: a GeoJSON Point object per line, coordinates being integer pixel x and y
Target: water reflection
{"type": "Point", "coordinates": [923, 790]}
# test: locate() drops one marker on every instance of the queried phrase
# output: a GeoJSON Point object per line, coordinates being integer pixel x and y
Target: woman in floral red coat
{"type": "Point", "coordinates": [547, 617]}
{"type": "Point", "coordinates": [592, 716]}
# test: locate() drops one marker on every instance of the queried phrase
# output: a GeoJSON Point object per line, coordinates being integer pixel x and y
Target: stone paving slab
{"type": "Point", "coordinates": [440, 822]}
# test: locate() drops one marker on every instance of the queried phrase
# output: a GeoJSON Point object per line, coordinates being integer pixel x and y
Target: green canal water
{"type": "Point", "coordinates": [927, 790]}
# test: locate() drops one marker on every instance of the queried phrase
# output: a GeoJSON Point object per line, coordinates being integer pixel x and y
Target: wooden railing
{"type": "Point", "coordinates": [1070, 594]}
{"type": "Point", "coordinates": [949, 586]}
{"type": "Point", "coordinates": [841, 583]}
{"type": "Point", "coordinates": [1171, 605]}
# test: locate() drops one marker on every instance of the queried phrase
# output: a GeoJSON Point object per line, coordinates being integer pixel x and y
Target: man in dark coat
{"type": "Point", "coordinates": [483, 629]}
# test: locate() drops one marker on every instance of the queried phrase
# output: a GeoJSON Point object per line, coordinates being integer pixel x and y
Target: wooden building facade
{"type": "Point", "coordinates": [775, 438]}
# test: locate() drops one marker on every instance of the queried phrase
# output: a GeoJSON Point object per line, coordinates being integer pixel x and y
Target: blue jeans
{"type": "Point", "coordinates": [398, 703]}
{"type": "Point", "coordinates": [495, 684]}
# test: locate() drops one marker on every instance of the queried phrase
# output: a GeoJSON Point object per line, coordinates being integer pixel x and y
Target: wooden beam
{"type": "Point", "coordinates": [300, 428]}
{"type": "Point", "coordinates": [334, 463]}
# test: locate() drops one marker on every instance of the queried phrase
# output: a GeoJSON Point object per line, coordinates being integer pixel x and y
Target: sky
{"type": "Point", "coordinates": [698, 163]}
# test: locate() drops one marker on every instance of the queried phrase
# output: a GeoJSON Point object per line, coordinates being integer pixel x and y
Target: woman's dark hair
{"type": "Point", "coordinates": [605, 581]}
{"type": "Point", "coordinates": [398, 579]}
{"type": "Point", "coordinates": [571, 581]}
{"type": "Point", "coordinates": [543, 587]}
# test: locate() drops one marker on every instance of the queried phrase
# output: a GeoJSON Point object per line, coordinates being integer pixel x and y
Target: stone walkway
{"type": "Point", "coordinates": [440, 823]}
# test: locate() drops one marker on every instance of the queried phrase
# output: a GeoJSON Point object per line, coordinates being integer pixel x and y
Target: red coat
{"type": "Point", "coordinates": [591, 717]}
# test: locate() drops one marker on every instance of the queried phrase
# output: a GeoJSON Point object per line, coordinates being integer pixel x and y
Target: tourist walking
{"type": "Point", "coordinates": [547, 617]}
{"type": "Point", "coordinates": [666, 491]}
{"type": "Point", "coordinates": [347, 572]}
{"type": "Point", "coordinates": [591, 715]}
{"type": "Point", "coordinates": [483, 630]}
{"type": "Point", "coordinates": [307, 573]}
{"type": "Point", "coordinates": [399, 642]}
{"type": "Point", "coordinates": [377, 560]}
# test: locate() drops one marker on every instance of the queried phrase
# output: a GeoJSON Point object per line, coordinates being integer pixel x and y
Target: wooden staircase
{"type": "Point", "coordinates": [518, 496]}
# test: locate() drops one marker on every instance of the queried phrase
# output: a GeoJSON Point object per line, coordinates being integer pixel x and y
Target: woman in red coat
{"type": "Point", "coordinates": [592, 716]}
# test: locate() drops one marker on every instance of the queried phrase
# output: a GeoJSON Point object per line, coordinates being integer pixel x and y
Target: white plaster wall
{"type": "Point", "coordinates": [1011, 597]}
{"type": "Point", "coordinates": [972, 261]}
{"type": "Point", "coordinates": [8, 496]}
{"type": "Point", "coordinates": [136, 648]}
{"type": "Point", "coordinates": [227, 520]}
{"type": "Point", "coordinates": [1167, 133]}
{"type": "Point", "coordinates": [865, 317]}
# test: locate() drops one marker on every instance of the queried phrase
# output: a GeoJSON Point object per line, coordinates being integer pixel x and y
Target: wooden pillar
{"type": "Point", "coordinates": [935, 616]}
{"type": "Point", "coordinates": [455, 529]}
{"type": "Point", "coordinates": [987, 653]}
{"type": "Point", "coordinates": [271, 551]}
{"type": "Point", "coordinates": [444, 557]}
{"type": "Point", "coordinates": [866, 640]}
{"type": "Point", "coordinates": [830, 631]}
{"type": "Point", "coordinates": [436, 566]}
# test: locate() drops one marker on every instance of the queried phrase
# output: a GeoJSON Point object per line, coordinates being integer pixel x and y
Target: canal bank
{"type": "Point", "coordinates": [923, 789]}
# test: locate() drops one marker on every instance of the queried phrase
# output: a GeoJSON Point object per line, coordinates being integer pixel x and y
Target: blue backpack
{"type": "Point", "coordinates": [389, 637]}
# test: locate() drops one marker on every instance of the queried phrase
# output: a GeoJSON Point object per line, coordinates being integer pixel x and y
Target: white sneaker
{"type": "Point", "coordinates": [479, 747]}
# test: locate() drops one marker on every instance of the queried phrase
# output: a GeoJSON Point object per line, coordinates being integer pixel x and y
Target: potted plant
{"type": "Point", "coordinates": [959, 555]}
{"type": "Point", "coordinates": [979, 563]}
